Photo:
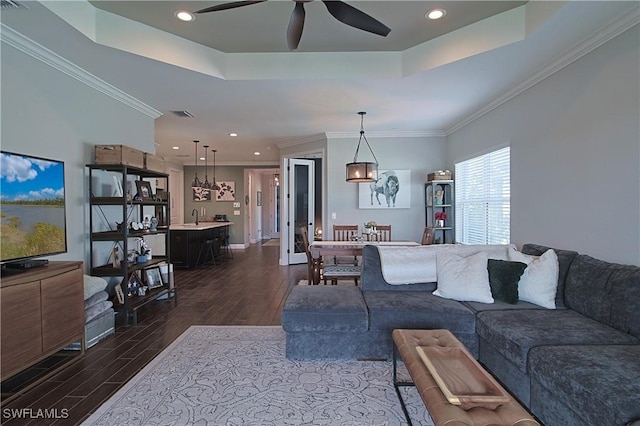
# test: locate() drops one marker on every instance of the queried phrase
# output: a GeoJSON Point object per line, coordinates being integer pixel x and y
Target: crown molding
{"type": "Point", "coordinates": [321, 137]}
{"type": "Point", "coordinates": [25, 45]}
{"type": "Point", "coordinates": [580, 49]}
{"type": "Point", "coordinates": [387, 134]}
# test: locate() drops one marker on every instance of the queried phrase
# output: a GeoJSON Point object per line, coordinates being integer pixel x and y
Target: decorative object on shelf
{"type": "Point", "coordinates": [440, 218]}
{"type": "Point", "coordinates": [144, 251]}
{"type": "Point", "coordinates": [438, 196]}
{"type": "Point", "coordinates": [227, 191]}
{"type": "Point", "coordinates": [145, 193]}
{"type": "Point", "coordinates": [119, 294]}
{"type": "Point", "coordinates": [115, 257]}
{"type": "Point", "coordinates": [117, 187]}
{"type": "Point", "coordinates": [362, 171]}
{"type": "Point", "coordinates": [390, 190]}
{"type": "Point", "coordinates": [439, 175]}
{"type": "Point", "coordinates": [196, 182]}
{"type": "Point", "coordinates": [154, 278]}
{"type": "Point", "coordinates": [133, 285]}
{"type": "Point", "coordinates": [154, 224]}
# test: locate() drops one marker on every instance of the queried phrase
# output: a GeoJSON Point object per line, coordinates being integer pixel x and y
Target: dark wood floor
{"type": "Point", "coordinates": [248, 290]}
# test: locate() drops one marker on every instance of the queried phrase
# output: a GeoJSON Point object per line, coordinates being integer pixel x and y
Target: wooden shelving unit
{"type": "Point", "coordinates": [114, 210]}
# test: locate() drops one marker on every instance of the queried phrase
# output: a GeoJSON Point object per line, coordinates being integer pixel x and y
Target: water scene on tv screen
{"type": "Point", "coordinates": [32, 214]}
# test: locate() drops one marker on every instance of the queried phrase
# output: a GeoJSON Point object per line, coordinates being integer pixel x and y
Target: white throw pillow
{"type": "Point", "coordinates": [93, 285]}
{"type": "Point", "coordinates": [539, 281]}
{"type": "Point", "coordinates": [463, 278]}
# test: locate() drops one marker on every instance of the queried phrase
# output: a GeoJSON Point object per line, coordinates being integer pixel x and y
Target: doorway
{"type": "Point", "coordinates": [301, 207]}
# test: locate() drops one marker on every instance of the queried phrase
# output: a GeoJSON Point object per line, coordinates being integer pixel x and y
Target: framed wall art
{"type": "Point", "coordinates": [201, 194]}
{"type": "Point", "coordinates": [392, 190]}
{"type": "Point", "coordinates": [227, 191]}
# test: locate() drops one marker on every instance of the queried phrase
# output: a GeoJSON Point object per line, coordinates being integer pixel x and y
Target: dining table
{"type": "Point", "coordinates": [345, 248]}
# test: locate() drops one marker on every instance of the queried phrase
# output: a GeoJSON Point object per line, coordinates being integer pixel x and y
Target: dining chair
{"type": "Point", "coordinates": [427, 236]}
{"type": "Point", "coordinates": [327, 272]}
{"type": "Point", "coordinates": [383, 233]}
{"type": "Point", "coordinates": [345, 233]}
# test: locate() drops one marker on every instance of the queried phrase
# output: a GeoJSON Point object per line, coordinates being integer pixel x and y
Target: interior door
{"type": "Point", "coordinates": [176, 195]}
{"type": "Point", "coordinates": [301, 206]}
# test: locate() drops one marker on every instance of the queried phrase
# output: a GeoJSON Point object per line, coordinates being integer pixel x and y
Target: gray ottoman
{"type": "Point", "coordinates": [325, 322]}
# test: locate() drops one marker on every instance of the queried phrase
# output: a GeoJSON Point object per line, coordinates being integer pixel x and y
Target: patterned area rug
{"type": "Point", "coordinates": [239, 376]}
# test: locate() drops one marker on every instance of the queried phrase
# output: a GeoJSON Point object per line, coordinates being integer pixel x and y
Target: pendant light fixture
{"type": "Point", "coordinates": [206, 184]}
{"type": "Point", "coordinates": [196, 182]}
{"type": "Point", "coordinates": [362, 171]}
{"type": "Point", "coordinates": [214, 185]}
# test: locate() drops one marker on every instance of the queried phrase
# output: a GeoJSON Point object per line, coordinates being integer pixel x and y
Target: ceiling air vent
{"type": "Point", "coordinates": [183, 113]}
{"type": "Point", "coordinates": [11, 4]}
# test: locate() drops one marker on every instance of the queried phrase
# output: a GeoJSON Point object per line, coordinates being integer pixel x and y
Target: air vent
{"type": "Point", "coordinates": [11, 4]}
{"type": "Point", "coordinates": [183, 113]}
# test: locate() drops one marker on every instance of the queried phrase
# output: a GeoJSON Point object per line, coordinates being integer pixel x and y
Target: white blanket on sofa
{"type": "Point", "coordinates": [411, 265]}
{"type": "Point", "coordinates": [408, 265]}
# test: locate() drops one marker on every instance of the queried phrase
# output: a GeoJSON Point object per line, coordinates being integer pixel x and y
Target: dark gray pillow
{"type": "Point", "coordinates": [504, 276]}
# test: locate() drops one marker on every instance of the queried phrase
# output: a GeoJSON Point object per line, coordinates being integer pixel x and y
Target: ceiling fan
{"type": "Point", "coordinates": [340, 10]}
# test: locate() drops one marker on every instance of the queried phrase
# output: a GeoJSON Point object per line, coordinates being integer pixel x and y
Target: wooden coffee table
{"type": "Point", "coordinates": [452, 384]}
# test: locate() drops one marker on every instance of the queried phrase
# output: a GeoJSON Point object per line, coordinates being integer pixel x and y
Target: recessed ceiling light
{"type": "Point", "coordinates": [233, 135]}
{"type": "Point", "coordinates": [435, 14]}
{"type": "Point", "coordinates": [175, 147]}
{"type": "Point", "coordinates": [202, 158]}
{"type": "Point", "coordinates": [256, 153]}
{"type": "Point", "coordinates": [184, 15]}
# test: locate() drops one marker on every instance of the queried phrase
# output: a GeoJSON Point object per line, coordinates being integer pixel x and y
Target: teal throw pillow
{"type": "Point", "coordinates": [503, 279]}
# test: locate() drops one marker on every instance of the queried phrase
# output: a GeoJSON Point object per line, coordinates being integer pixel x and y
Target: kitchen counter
{"type": "Point", "coordinates": [201, 226]}
{"type": "Point", "coordinates": [186, 240]}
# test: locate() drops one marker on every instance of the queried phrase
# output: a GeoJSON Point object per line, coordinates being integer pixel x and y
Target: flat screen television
{"type": "Point", "coordinates": [32, 209]}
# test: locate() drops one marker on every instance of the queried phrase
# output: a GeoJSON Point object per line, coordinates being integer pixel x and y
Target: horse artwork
{"type": "Point", "coordinates": [386, 192]}
{"type": "Point", "coordinates": [387, 185]}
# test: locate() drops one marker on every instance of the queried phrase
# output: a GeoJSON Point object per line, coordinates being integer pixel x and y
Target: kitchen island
{"type": "Point", "coordinates": [187, 239]}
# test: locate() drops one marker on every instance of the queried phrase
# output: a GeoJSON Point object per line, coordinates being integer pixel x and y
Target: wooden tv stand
{"type": "Point", "coordinates": [42, 312]}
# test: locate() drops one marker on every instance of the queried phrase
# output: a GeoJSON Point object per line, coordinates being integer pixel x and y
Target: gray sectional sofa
{"type": "Point", "coordinates": [578, 364]}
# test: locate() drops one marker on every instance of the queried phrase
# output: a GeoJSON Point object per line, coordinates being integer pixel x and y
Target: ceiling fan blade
{"type": "Point", "coordinates": [296, 25]}
{"type": "Point", "coordinates": [231, 5]}
{"type": "Point", "coordinates": [355, 18]}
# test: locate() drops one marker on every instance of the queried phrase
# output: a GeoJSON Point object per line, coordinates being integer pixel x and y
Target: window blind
{"type": "Point", "coordinates": [483, 194]}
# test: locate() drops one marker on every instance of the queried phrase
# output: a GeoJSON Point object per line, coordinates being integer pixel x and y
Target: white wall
{"type": "Point", "coordinates": [49, 114]}
{"type": "Point", "coordinates": [421, 155]}
{"type": "Point", "coordinates": [575, 154]}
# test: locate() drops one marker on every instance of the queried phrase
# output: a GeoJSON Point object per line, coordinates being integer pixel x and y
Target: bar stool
{"type": "Point", "coordinates": [207, 248]}
{"type": "Point", "coordinates": [225, 246]}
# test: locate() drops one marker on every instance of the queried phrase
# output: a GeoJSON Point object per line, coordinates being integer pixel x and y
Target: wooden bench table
{"type": "Point", "coordinates": [482, 405]}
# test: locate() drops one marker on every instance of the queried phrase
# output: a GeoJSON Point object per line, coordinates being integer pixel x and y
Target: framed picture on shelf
{"type": "Point", "coordinates": [133, 285]}
{"type": "Point", "coordinates": [119, 294]}
{"type": "Point", "coordinates": [154, 278]}
{"type": "Point", "coordinates": [144, 190]}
